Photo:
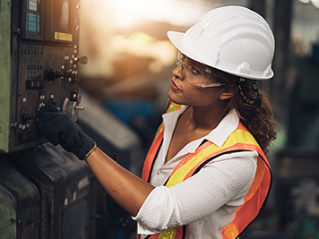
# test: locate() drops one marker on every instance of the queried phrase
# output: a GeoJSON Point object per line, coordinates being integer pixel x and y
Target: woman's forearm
{"type": "Point", "coordinates": [128, 190]}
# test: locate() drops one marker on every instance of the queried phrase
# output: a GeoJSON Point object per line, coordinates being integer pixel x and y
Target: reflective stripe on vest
{"type": "Point", "coordinates": [240, 140]}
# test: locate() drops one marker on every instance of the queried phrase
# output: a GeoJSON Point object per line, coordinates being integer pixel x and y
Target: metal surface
{"type": "Point", "coordinates": [38, 63]}
{"type": "Point", "coordinates": [63, 182]}
{"type": "Point", "coordinates": [19, 204]}
{"type": "Point", "coordinates": [7, 72]}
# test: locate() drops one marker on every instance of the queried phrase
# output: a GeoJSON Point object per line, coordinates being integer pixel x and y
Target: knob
{"type": "Point", "coordinates": [83, 60]}
{"type": "Point", "coordinates": [71, 108]}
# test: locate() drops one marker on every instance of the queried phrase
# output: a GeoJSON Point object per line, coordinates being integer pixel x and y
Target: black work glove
{"type": "Point", "coordinates": [58, 128]}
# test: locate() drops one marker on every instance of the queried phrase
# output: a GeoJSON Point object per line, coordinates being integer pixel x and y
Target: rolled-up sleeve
{"type": "Point", "coordinates": [224, 181]}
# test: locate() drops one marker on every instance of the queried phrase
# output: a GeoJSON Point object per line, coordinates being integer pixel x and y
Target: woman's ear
{"type": "Point", "coordinates": [228, 92]}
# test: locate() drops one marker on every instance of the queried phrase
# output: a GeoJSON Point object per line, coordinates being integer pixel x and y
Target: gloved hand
{"type": "Point", "coordinates": [58, 128]}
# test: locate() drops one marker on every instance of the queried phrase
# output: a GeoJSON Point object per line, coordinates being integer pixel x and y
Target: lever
{"type": "Point", "coordinates": [51, 74]}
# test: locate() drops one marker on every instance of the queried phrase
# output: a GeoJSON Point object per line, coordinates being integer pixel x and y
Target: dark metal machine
{"type": "Point", "coordinates": [39, 45]}
{"type": "Point", "coordinates": [46, 192]}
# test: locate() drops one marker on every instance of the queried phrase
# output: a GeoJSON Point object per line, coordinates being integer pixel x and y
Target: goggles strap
{"type": "Point", "coordinates": [253, 90]}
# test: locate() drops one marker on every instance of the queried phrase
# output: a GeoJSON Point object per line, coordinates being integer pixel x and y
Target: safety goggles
{"type": "Point", "coordinates": [196, 73]}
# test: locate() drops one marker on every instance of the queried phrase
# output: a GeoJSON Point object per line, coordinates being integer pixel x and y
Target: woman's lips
{"type": "Point", "coordinates": [174, 87]}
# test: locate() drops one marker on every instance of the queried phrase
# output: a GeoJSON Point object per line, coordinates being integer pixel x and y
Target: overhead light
{"type": "Point", "coordinates": [304, 1]}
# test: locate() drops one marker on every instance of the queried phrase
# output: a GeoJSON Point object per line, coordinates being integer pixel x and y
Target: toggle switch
{"type": "Point", "coordinates": [52, 74]}
{"type": "Point", "coordinates": [25, 117]}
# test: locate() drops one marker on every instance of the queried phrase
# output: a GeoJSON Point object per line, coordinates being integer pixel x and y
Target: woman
{"type": "Point", "coordinates": [206, 174]}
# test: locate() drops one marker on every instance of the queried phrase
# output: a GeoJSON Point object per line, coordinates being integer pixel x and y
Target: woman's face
{"type": "Point", "coordinates": [186, 81]}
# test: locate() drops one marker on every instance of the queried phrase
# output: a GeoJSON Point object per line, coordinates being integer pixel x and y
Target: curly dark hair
{"type": "Point", "coordinates": [257, 117]}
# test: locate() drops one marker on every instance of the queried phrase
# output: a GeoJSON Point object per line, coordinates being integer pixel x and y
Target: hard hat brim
{"type": "Point", "coordinates": [176, 39]}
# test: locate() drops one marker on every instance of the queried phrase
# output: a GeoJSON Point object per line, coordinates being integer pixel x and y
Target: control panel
{"type": "Point", "coordinates": [38, 63]}
{"type": "Point", "coordinates": [44, 75]}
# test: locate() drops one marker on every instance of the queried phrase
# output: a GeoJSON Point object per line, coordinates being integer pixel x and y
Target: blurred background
{"type": "Point", "coordinates": [129, 71]}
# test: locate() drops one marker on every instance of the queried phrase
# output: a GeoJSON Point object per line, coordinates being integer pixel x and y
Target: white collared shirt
{"type": "Point", "coordinates": [207, 201]}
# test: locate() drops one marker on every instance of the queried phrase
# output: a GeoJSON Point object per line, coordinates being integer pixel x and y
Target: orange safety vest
{"type": "Point", "coordinates": [240, 140]}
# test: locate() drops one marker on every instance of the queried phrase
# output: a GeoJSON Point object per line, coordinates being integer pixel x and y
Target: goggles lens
{"type": "Point", "coordinates": [197, 74]}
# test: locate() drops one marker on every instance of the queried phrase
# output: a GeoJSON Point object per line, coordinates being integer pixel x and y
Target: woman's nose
{"type": "Point", "coordinates": [178, 73]}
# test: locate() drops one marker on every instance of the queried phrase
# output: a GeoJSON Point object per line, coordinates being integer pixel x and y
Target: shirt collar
{"type": "Point", "coordinates": [228, 125]}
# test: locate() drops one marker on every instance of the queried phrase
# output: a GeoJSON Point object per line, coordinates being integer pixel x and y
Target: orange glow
{"type": "Point", "coordinates": [109, 28]}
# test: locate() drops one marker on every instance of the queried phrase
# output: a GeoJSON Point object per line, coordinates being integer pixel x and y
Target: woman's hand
{"type": "Point", "coordinates": [59, 128]}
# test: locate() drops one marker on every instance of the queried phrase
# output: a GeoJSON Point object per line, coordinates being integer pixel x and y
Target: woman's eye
{"type": "Point", "coordinates": [194, 70]}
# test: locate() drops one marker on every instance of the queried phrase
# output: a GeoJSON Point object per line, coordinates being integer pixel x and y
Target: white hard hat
{"type": "Point", "coordinates": [232, 39]}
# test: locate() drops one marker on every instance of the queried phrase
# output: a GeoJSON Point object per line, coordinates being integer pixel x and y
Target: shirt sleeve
{"type": "Point", "coordinates": [224, 181]}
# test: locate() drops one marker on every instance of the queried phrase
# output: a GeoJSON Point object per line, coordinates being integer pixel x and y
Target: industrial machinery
{"type": "Point", "coordinates": [39, 45]}
{"type": "Point", "coordinates": [46, 192]}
